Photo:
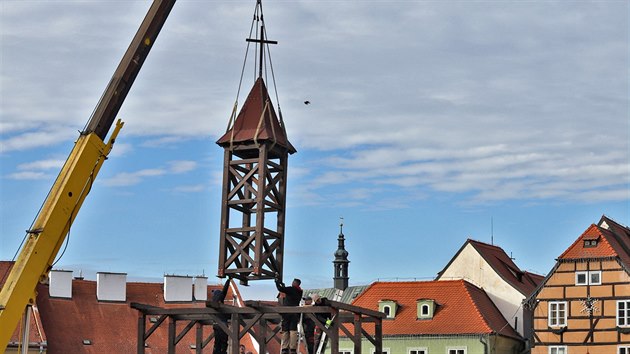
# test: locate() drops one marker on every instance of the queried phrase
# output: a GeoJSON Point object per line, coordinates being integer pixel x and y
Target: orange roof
{"type": "Point", "coordinates": [111, 327]}
{"type": "Point", "coordinates": [613, 240]}
{"type": "Point", "coordinates": [462, 308]}
{"type": "Point", "coordinates": [257, 121]}
{"type": "Point", "coordinates": [578, 251]}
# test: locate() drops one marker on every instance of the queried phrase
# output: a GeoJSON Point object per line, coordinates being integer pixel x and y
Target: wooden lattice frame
{"type": "Point", "coordinates": [254, 189]}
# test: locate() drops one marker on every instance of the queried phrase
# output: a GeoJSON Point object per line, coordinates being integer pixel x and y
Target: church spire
{"type": "Point", "coordinates": [341, 261]}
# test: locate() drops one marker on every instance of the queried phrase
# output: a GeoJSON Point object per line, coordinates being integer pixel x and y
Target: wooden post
{"type": "Point", "coordinates": [378, 334]}
{"type": "Point", "coordinates": [199, 338]}
{"type": "Point", "coordinates": [357, 332]}
{"type": "Point", "coordinates": [141, 329]}
{"type": "Point", "coordinates": [172, 327]}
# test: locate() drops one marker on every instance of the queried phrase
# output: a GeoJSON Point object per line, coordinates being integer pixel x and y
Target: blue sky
{"type": "Point", "coordinates": [427, 121]}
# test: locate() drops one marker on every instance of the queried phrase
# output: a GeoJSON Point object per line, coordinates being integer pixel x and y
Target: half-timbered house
{"type": "Point", "coordinates": [583, 305]}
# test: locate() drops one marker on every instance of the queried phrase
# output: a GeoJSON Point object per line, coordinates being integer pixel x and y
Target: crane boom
{"type": "Point", "coordinates": [74, 182]}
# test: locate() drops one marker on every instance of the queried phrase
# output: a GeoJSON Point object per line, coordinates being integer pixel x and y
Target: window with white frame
{"type": "Point", "coordinates": [558, 349]}
{"type": "Point", "coordinates": [557, 313]}
{"type": "Point", "coordinates": [623, 313]}
{"type": "Point", "coordinates": [458, 350]}
{"type": "Point", "coordinates": [593, 277]}
{"type": "Point", "coordinates": [623, 349]}
{"type": "Point", "coordinates": [387, 310]}
{"type": "Point", "coordinates": [422, 351]}
{"type": "Point", "coordinates": [345, 351]}
{"type": "Point", "coordinates": [424, 310]}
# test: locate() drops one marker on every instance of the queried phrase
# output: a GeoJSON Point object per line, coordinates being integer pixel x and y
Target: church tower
{"type": "Point", "coordinates": [253, 197]}
{"type": "Point", "coordinates": [341, 262]}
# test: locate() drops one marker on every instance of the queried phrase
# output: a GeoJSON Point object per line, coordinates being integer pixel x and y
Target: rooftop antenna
{"type": "Point", "coordinates": [492, 230]}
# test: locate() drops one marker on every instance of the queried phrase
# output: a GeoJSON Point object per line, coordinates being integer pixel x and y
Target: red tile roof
{"type": "Point", "coordinates": [462, 308]}
{"type": "Point", "coordinates": [36, 331]}
{"type": "Point", "coordinates": [613, 241]}
{"type": "Point", "coordinates": [252, 125]}
{"type": "Point", "coordinates": [111, 327]}
{"type": "Point", "coordinates": [525, 282]}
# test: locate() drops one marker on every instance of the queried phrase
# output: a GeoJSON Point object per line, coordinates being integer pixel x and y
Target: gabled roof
{"type": "Point", "coordinates": [613, 240]}
{"type": "Point", "coordinates": [462, 308]}
{"type": "Point", "coordinates": [503, 265]}
{"type": "Point", "coordinates": [257, 121]}
{"type": "Point", "coordinates": [36, 331]}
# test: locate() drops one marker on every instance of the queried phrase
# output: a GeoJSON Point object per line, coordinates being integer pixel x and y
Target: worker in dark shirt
{"type": "Point", "coordinates": [293, 296]}
{"type": "Point", "coordinates": [220, 337]}
{"type": "Point", "coordinates": [312, 333]}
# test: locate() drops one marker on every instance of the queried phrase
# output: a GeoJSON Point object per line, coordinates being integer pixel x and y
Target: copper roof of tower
{"type": "Point", "coordinates": [257, 121]}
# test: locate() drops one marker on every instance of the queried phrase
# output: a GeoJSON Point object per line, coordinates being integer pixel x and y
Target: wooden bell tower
{"type": "Point", "coordinates": [253, 197]}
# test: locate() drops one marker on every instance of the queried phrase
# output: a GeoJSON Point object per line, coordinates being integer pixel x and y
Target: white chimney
{"type": "Point", "coordinates": [177, 288]}
{"type": "Point", "coordinates": [111, 286]}
{"type": "Point", "coordinates": [201, 288]}
{"type": "Point", "coordinates": [60, 284]}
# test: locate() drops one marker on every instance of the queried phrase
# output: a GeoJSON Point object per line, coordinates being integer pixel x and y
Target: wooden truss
{"type": "Point", "coordinates": [253, 211]}
{"type": "Point", "coordinates": [259, 320]}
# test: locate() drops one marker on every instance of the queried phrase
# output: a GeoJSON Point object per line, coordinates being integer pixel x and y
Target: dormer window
{"type": "Point", "coordinates": [388, 307]}
{"type": "Point", "coordinates": [426, 309]}
{"type": "Point", "coordinates": [590, 243]}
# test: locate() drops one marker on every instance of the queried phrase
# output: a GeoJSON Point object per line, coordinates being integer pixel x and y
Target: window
{"type": "Point", "coordinates": [623, 349]}
{"type": "Point", "coordinates": [422, 351]}
{"type": "Point", "coordinates": [424, 310]}
{"type": "Point", "coordinates": [387, 310]}
{"type": "Point", "coordinates": [558, 350]}
{"type": "Point", "coordinates": [459, 350]}
{"type": "Point", "coordinates": [623, 313]}
{"type": "Point", "coordinates": [593, 277]}
{"type": "Point", "coordinates": [385, 351]}
{"type": "Point", "coordinates": [557, 314]}
{"type": "Point", "coordinates": [345, 351]}
{"type": "Point", "coordinates": [590, 243]}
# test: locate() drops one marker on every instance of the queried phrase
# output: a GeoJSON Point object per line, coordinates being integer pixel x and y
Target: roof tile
{"type": "Point", "coordinates": [455, 314]}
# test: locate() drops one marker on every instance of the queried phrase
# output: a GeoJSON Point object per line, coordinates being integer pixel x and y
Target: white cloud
{"type": "Point", "coordinates": [195, 188]}
{"type": "Point", "coordinates": [132, 178]}
{"type": "Point", "coordinates": [496, 100]}
{"type": "Point", "coordinates": [42, 165]}
{"type": "Point", "coordinates": [29, 175]}
{"type": "Point", "coordinates": [182, 166]}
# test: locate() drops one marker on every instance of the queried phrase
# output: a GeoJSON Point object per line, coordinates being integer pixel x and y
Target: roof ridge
{"type": "Point", "coordinates": [485, 244]}
{"type": "Point", "coordinates": [577, 240]}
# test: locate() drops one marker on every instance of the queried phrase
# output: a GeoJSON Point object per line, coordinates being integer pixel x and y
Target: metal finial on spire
{"type": "Point", "coordinates": [261, 40]}
{"type": "Point", "coordinates": [341, 225]}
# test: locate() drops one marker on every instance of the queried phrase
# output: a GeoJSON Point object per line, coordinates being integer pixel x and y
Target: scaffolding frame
{"type": "Point", "coordinates": [259, 320]}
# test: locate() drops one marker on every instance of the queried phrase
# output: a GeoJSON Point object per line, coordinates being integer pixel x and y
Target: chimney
{"type": "Point", "coordinates": [177, 288]}
{"type": "Point", "coordinates": [201, 288]}
{"type": "Point", "coordinates": [60, 284]}
{"type": "Point", "coordinates": [111, 286]}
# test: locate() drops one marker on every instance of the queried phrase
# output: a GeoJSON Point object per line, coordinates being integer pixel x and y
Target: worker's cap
{"type": "Point", "coordinates": [216, 295]}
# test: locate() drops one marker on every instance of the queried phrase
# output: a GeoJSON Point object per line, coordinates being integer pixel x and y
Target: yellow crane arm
{"type": "Point", "coordinates": [51, 227]}
{"type": "Point", "coordinates": [73, 184]}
